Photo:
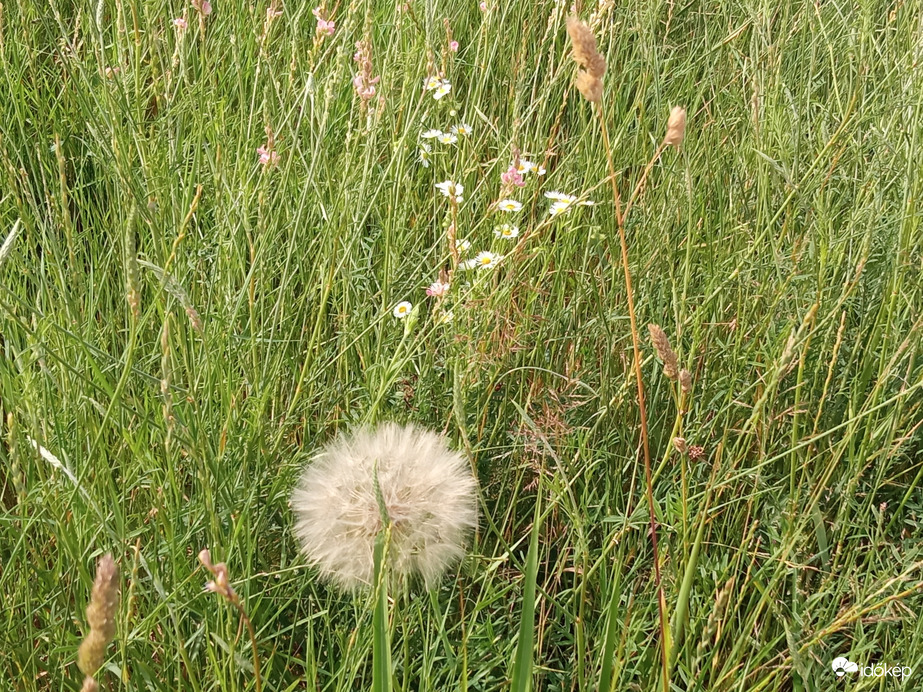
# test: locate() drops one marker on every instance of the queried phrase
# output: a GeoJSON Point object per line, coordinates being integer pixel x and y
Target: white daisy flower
{"type": "Point", "coordinates": [564, 202]}
{"type": "Point", "coordinates": [446, 317]}
{"type": "Point", "coordinates": [559, 207]}
{"type": "Point", "coordinates": [510, 205]}
{"type": "Point", "coordinates": [402, 309]}
{"type": "Point", "coordinates": [560, 197]}
{"type": "Point", "coordinates": [463, 245]}
{"type": "Point", "coordinates": [447, 138]}
{"type": "Point", "coordinates": [450, 189]}
{"type": "Point", "coordinates": [462, 129]}
{"type": "Point", "coordinates": [526, 166]}
{"type": "Point", "coordinates": [487, 260]}
{"type": "Point", "coordinates": [425, 154]}
{"type": "Point", "coordinates": [505, 230]}
{"type": "Point", "coordinates": [431, 134]}
{"type": "Point", "coordinates": [431, 83]}
{"type": "Point", "coordinates": [442, 90]}
{"type": "Point", "coordinates": [468, 264]}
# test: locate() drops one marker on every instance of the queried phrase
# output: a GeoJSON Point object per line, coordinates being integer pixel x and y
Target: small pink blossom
{"type": "Point", "coordinates": [453, 46]}
{"type": "Point", "coordinates": [325, 27]}
{"type": "Point", "coordinates": [268, 157]}
{"type": "Point", "coordinates": [220, 584]}
{"type": "Point", "coordinates": [483, 6]}
{"type": "Point", "coordinates": [180, 23]}
{"type": "Point", "coordinates": [364, 82]}
{"type": "Point", "coordinates": [437, 288]}
{"type": "Point", "coordinates": [203, 7]}
{"type": "Point", "coordinates": [512, 176]}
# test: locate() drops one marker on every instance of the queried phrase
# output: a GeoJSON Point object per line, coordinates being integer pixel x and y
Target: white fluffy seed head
{"type": "Point", "coordinates": [428, 491]}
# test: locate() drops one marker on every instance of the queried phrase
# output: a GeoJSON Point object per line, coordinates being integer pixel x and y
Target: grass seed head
{"type": "Point", "coordinates": [427, 490]}
{"type": "Point", "coordinates": [676, 127]}
{"type": "Point", "coordinates": [664, 352]}
{"type": "Point", "coordinates": [589, 86]}
{"type": "Point", "coordinates": [104, 601]}
{"type": "Point", "coordinates": [592, 64]}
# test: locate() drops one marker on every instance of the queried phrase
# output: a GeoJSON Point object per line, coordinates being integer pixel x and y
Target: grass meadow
{"type": "Point", "coordinates": [209, 224]}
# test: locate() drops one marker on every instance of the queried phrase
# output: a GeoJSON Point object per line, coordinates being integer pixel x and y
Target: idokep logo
{"type": "Point", "coordinates": [842, 665]}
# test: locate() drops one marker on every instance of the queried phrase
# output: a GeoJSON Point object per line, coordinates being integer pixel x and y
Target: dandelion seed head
{"type": "Point", "coordinates": [428, 493]}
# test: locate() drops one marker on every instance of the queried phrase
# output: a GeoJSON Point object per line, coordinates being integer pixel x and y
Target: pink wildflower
{"type": "Point", "coordinates": [220, 584]}
{"type": "Point", "coordinates": [512, 176]}
{"type": "Point", "coordinates": [180, 23]}
{"type": "Point", "coordinates": [325, 27]}
{"type": "Point", "coordinates": [364, 82]}
{"type": "Point", "coordinates": [437, 288]}
{"type": "Point", "coordinates": [483, 6]}
{"type": "Point", "coordinates": [453, 46]}
{"type": "Point", "coordinates": [203, 7]}
{"type": "Point", "coordinates": [268, 157]}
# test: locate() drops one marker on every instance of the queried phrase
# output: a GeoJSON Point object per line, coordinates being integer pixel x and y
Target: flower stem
{"type": "Point", "coordinates": [256, 656]}
{"type": "Point", "coordinates": [620, 222]}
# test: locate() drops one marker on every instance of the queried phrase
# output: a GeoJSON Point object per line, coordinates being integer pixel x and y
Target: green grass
{"type": "Point", "coordinates": [780, 249]}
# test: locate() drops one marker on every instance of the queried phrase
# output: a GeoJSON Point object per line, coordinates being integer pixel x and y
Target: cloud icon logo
{"type": "Point", "coordinates": [842, 665]}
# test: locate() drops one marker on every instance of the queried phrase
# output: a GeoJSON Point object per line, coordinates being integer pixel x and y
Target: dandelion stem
{"type": "Point", "coordinates": [381, 644]}
{"type": "Point", "coordinates": [635, 343]}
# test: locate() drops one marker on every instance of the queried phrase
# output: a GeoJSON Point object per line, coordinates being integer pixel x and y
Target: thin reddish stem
{"type": "Point", "coordinates": [636, 347]}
